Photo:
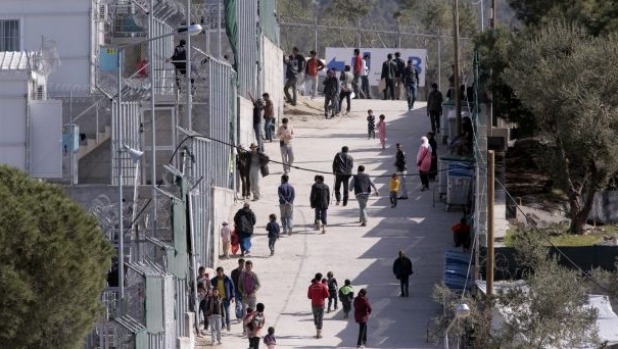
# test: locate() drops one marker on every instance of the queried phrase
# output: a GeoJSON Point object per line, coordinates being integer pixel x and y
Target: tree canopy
{"type": "Point", "coordinates": [568, 79]}
{"type": "Point", "coordinates": [54, 261]}
{"type": "Point", "coordinates": [596, 16]}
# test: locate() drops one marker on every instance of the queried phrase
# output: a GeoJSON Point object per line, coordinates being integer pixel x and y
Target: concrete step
{"type": "Point", "coordinates": [93, 143]}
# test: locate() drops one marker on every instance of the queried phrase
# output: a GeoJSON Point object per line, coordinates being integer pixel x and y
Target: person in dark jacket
{"type": "Point", "coordinates": [389, 69]}
{"type": "Point", "coordinates": [434, 107]}
{"type": "Point", "coordinates": [245, 220]}
{"type": "Point", "coordinates": [243, 164]}
{"type": "Point", "coordinates": [331, 94]}
{"type": "Point", "coordinates": [287, 195]}
{"type": "Point", "coordinates": [400, 165]}
{"type": "Point", "coordinates": [343, 163]}
{"type": "Point", "coordinates": [320, 199]}
{"type": "Point", "coordinates": [433, 170]}
{"type": "Point", "coordinates": [291, 78]}
{"type": "Point", "coordinates": [362, 185]}
{"type": "Point", "coordinates": [402, 268]}
{"type": "Point", "coordinates": [362, 310]}
{"type": "Point", "coordinates": [225, 285]}
{"type": "Point", "coordinates": [238, 299]}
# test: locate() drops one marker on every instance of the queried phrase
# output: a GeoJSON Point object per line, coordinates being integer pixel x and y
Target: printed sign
{"type": "Point", "coordinates": [338, 57]}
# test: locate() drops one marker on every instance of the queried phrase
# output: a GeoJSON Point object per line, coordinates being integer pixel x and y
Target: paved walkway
{"type": "Point", "coordinates": [362, 254]}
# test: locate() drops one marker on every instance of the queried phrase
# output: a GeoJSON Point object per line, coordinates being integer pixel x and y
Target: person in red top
{"type": "Point", "coordinates": [461, 234]}
{"type": "Point", "coordinates": [318, 292]}
{"type": "Point", "coordinates": [357, 70]}
{"type": "Point", "coordinates": [362, 309]}
{"type": "Point", "coordinates": [313, 66]}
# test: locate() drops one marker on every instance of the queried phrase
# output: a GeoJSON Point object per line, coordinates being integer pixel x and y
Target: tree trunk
{"type": "Point", "coordinates": [578, 212]}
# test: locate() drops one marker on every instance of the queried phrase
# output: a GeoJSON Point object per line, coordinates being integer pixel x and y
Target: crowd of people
{"type": "Point", "coordinates": [216, 295]}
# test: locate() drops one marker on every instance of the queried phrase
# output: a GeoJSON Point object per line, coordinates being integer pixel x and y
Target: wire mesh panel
{"type": "Point", "coordinates": [222, 120]}
{"type": "Point", "coordinates": [246, 12]}
{"type": "Point", "coordinates": [126, 125]}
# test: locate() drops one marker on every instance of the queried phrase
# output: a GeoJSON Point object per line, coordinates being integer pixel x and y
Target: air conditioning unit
{"type": "Point", "coordinates": [103, 14]}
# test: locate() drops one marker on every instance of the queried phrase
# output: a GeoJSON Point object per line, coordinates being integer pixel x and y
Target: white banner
{"type": "Point", "coordinates": [338, 57]}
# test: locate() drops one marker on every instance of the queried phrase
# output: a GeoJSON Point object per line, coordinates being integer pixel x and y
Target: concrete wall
{"type": "Point", "coordinates": [13, 132]}
{"type": "Point", "coordinates": [68, 23]}
{"type": "Point", "coordinates": [272, 74]}
{"type": "Point", "coordinates": [245, 126]}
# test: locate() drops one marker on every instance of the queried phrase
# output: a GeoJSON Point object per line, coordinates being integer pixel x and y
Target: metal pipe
{"type": "Point", "coordinates": [219, 14]}
{"type": "Point", "coordinates": [188, 107]}
{"type": "Point", "coordinates": [153, 178]}
{"type": "Point", "coordinates": [457, 68]}
{"type": "Point", "coordinates": [120, 189]}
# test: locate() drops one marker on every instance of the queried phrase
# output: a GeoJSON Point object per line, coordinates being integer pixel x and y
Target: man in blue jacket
{"type": "Point", "coordinates": [286, 204]}
{"type": "Point", "coordinates": [226, 289]}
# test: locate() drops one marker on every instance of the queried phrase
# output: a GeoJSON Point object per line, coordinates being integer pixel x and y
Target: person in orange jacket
{"type": "Point", "coordinates": [318, 292]}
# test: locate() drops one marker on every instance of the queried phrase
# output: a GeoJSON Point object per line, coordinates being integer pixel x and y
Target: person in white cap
{"type": "Point", "coordinates": [226, 238]}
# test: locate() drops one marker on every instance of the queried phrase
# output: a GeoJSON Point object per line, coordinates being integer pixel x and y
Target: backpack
{"type": "Point", "coordinates": [332, 286]}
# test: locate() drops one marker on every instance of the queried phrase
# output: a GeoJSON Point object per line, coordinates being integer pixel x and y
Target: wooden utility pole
{"type": "Point", "coordinates": [493, 14]}
{"type": "Point", "coordinates": [489, 273]}
{"type": "Point", "coordinates": [456, 73]}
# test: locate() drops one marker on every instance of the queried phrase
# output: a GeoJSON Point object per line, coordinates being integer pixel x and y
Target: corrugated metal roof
{"type": "Point", "coordinates": [11, 61]}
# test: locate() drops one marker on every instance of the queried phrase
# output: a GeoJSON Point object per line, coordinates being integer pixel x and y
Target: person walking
{"type": "Point", "coordinates": [400, 165]}
{"type": "Point", "coordinates": [399, 78]}
{"type": "Point", "coordinates": [243, 164]}
{"type": "Point", "coordinates": [291, 79]}
{"type": "Point", "coordinates": [362, 184]}
{"type": "Point", "coordinates": [254, 323]}
{"type": "Point", "coordinates": [393, 186]}
{"type": "Point", "coordinates": [382, 131]}
{"type": "Point", "coordinates": [433, 170]}
{"type": "Point", "coordinates": [434, 107]}
{"type": "Point", "coordinates": [286, 204]}
{"type": "Point", "coordinates": [245, 221]}
{"type": "Point", "coordinates": [248, 285]}
{"type": "Point", "coordinates": [346, 88]}
{"type": "Point", "coordinates": [371, 125]}
{"type": "Point", "coordinates": [365, 77]}
{"type": "Point", "coordinates": [333, 289]}
{"type": "Point", "coordinates": [269, 117]}
{"type": "Point", "coordinates": [273, 230]}
{"type": "Point", "coordinates": [423, 161]}
{"type": "Point", "coordinates": [346, 296]}
{"type": "Point", "coordinates": [402, 268]}
{"type": "Point", "coordinates": [357, 71]}
{"type": "Point", "coordinates": [226, 238]}
{"type": "Point", "coordinates": [285, 133]}
{"type": "Point", "coordinates": [179, 60]}
{"type": "Point", "coordinates": [313, 66]}
{"type": "Point", "coordinates": [258, 164]}
{"type": "Point", "coordinates": [411, 83]}
{"type": "Point", "coordinates": [319, 200]}
{"type": "Point", "coordinates": [343, 163]}
{"type": "Point", "coordinates": [227, 293]}
{"type": "Point", "coordinates": [389, 68]}
{"type": "Point", "coordinates": [362, 310]}
{"type": "Point", "coordinates": [215, 312]}
{"type": "Point", "coordinates": [299, 64]}
{"type": "Point", "coordinates": [331, 94]}
{"type": "Point", "coordinates": [318, 292]}
{"type": "Point", "coordinates": [237, 295]}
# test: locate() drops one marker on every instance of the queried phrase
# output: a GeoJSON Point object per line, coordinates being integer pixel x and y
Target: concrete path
{"type": "Point", "coordinates": [362, 254]}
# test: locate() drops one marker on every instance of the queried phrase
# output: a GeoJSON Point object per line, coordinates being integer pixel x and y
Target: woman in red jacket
{"type": "Point", "coordinates": [362, 309]}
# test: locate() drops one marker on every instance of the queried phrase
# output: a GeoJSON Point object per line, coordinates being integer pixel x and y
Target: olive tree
{"type": "Point", "coordinates": [567, 79]}
{"type": "Point", "coordinates": [53, 263]}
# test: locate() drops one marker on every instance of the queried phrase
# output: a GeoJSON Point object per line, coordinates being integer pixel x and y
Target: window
{"type": "Point", "coordinates": [9, 35]}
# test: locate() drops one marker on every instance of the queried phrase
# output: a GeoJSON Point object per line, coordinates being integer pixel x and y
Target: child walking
{"type": "Point", "coordinates": [226, 238]}
{"type": "Point", "coordinates": [332, 290]}
{"type": "Point", "coordinates": [393, 185]}
{"type": "Point", "coordinates": [273, 232]}
{"type": "Point", "coordinates": [346, 295]}
{"type": "Point", "coordinates": [215, 313]}
{"type": "Point", "coordinates": [270, 340]}
{"type": "Point", "coordinates": [371, 125]}
{"type": "Point", "coordinates": [382, 130]}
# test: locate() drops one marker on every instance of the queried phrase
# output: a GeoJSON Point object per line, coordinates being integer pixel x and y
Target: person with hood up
{"type": "Point", "coordinates": [423, 161]}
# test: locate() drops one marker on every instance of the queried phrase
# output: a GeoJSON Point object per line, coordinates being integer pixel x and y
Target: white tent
{"type": "Point", "coordinates": [607, 320]}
